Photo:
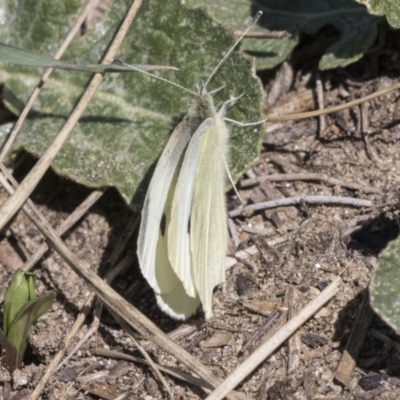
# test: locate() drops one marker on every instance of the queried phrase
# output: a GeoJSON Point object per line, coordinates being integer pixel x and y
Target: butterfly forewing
{"type": "Point", "coordinates": [179, 230]}
{"type": "Point", "coordinates": [208, 236]}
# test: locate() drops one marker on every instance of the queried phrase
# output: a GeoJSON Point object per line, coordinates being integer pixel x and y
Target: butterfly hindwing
{"type": "Point", "coordinates": [152, 242]}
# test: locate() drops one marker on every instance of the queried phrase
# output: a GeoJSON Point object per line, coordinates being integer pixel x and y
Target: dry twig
{"type": "Point", "coordinates": [320, 100]}
{"type": "Point", "coordinates": [176, 373]}
{"type": "Point", "coordinates": [264, 34]}
{"type": "Point", "coordinates": [334, 109]}
{"type": "Point", "coordinates": [294, 342]}
{"type": "Point", "coordinates": [259, 333]}
{"type": "Point", "coordinates": [290, 201]}
{"type": "Point", "coordinates": [309, 176]}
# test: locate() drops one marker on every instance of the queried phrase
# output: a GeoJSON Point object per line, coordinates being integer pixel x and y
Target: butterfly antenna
{"type": "Point", "coordinates": [253, 22]}
{"type": "Point", "coordinates": [119, 62]}
{"type": "Point", "coordinates": [231, 181]}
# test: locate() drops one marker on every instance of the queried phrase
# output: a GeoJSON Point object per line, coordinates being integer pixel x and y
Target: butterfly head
{"type": "Point", "coordinates": [201, 106]}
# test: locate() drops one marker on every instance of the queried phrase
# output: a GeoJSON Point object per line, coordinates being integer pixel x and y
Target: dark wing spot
{"type": "Point", "coordinates": [163, 224]}
{"type": "Point", "coordinates": [188, 227]}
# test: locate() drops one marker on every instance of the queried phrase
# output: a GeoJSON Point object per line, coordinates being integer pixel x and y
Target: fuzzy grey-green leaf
{"type": "Point", "coordinates": [389, 8]}
{"type": "Point", "coordinates": [123, 131]}
{"type": "Point", "coordinates": [23, 322]}
{"type": "Point", "coordinates": [357, 28]}
{"type": "Point", "coordinates": [385, 285]}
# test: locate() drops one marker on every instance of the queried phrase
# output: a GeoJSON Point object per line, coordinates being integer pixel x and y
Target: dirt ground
{"type": "Point", "coordinates": [293, 253]}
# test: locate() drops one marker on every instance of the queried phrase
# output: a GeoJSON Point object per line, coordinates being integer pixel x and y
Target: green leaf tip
{"type": "Point", "coordinates": [22, 308]}
{"type": "Point", "coordinates": [388, 8]}
{"type": "Point", "coordinates": [385, 285]}
{"type": "Point", "coordinates": [15, 55]}
{"type": "Point", "coordinates": [20, 291]}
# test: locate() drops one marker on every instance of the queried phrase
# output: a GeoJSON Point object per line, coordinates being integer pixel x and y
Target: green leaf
{"type": "Point", "coordinates": [20, 291]}
{"type": "Point", "coordinates": [8, 352]}
{"type": "Point", "coordinates": [26, 24]}
{"type": "Point", "coordinates": [126, 126]}
{"type": "Point", "coordinates": [23, 322]}
{"type": "Point", "coordinates": [389, 8]}
{"type": "Point", "coordinates": [385, 286]}
{"type": "Point", "coordinates": [357, 28]}
{"type": "Point", "coordinates": [21, 310]}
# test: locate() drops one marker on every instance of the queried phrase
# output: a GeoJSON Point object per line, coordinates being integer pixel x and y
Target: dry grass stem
{"type": "Point", "coordinates": [259, 333]}
{"type": "Point", "coordinates": [176, 373]}
{"type": "Point", "coordinates": [70, 221]}
{"type": "Point", "coordinates": [265, 350]}
{"type": "Point", "coordinates": [294, 342]}
{"type": "Point", "coordinates": [334, 109]}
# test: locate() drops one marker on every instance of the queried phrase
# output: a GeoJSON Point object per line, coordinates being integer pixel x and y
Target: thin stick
{"type": "Point", "coordinates": [85, 310]}
{"type": "Point", "coordinates": [102, 352]}
{"type": "Point", "coordinates": [290, 201]}
{"type": "Point", "coordinates": [233, 232]}
{"type": "Point", "coordinates": [124, 239]}
{"type": "Point", "coordinates": [90, 4]}
{"type": "Point", "coordinates": [145, 355]}
{"type": "Point", "coordinates": [65, 226]}
{"type": "Point", "coordinates": [294, 343]}
{"type": "Point", "coordinates": [320, 100]}
{"type": "Point", "coordinates": [71, 220]}
{"type": "Point", "coordinates": [340, 107]}
{"type": "Point", "coordinates": [110, 276]}
{"type": "Point", "coordinates": [263, 35]}
{"type": "Point", "coordinates": [260, 332]}
{"type": "Point", "coordinates": [265, 350]}
{"type": "Point", "coordinates": [55, 364]}
{"type": "Point", "coordinates": [386, 340]}
{"type": "Point", "coordinates": [309, 177]}
{"type": "Point", "coordinates": [251, 251]}
{"type": "Point", "coordinates": [14, 203]}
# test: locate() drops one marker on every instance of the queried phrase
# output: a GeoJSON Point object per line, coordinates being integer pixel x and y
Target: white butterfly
{"type": "Point", "coordinates": [183, 234]}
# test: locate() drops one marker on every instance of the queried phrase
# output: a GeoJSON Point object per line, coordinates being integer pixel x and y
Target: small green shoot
{"type": "Point", "coordinates": [21, 310]}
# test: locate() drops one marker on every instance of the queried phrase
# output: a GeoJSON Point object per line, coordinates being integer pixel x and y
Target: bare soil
{"type": "Point", "coordinates": [299, 249]}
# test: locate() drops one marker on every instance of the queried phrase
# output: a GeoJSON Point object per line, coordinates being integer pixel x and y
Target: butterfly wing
{"type": "Point", "coordinates": [179, 229]}
{"type": "Point", "coordinates": [172, 297]}
{"type": "Point", "coordinates": [152, 244]}
{"type": "Point", "coordinates": [208, 225]}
